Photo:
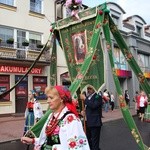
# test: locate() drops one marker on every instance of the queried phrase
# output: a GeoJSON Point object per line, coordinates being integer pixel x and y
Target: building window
{"type": "Point", "coordinates": [59, 10]}
{"type": "Point", "coordinates": [119, 59]}
{"type": "Point", "coordinates": [143, 62]}
{"type": "Point", "coordinates": [39, 85]}
{"type": "Point", "coordinates": [7, 2]}
{"type": "Point", "coordinates": [21, 36]}
{"type": "Point", "coordinates": [139, 30]}
{"type": "Point", "coordinates": [34, 40]}
{"type": "Point", "coordinates": [36, 6]}
{"type": "Point", "coordinates": [6, 33]}
{"type": "Point", "coordinates": [116, 20]}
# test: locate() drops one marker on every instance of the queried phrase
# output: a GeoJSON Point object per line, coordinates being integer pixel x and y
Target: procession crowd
{"type": "Point", "coordinates": [67, 127]}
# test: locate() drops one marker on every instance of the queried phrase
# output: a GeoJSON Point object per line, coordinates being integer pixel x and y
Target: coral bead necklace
{"type": "Point", "coordinates": [52, 123]}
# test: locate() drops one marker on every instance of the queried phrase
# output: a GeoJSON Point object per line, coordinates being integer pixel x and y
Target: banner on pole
{"type": "Point", "coordinates": [75, 39]}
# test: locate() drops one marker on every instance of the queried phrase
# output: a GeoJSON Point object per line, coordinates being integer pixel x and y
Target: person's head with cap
{"type": "Point", "coordinates": [58, 97]}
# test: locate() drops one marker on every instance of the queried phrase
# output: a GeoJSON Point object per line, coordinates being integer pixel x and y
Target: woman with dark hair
{"type": "Point", "coordinates": [63, 129]}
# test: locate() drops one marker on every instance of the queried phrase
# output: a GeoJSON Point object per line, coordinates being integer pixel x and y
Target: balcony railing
{"type": "Point", "coordinates": [10, 51]}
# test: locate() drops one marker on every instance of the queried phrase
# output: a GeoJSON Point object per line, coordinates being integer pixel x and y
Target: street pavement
{"type": "Point", "coordinates": [115, 134]}
{"type": "Point", "coordinates": [11, 127]}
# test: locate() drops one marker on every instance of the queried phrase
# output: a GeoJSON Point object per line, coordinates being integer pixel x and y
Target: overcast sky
{"type": "Point", "coordinates": [131, 7]}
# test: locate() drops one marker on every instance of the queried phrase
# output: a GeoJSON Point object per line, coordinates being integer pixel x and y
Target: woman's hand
{"type": "Point", "coordinates": [27, 140]}
{"type": "Point", "coordinates": [83, 113]}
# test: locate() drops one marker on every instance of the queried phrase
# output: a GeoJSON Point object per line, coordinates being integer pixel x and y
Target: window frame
{"type": "Point", "coordinates": [5, 2]}
{"type": "Point", "coordinates": [34, 8]}
{"type": "Point", "coordinates": [119, 55]}
{"type": "Point", "coordinates": [37, 42]}
{"type": "Point", "coordinates": [143, 62]}
{"type": "Point", "coordinates": [7, 36]}
{"type": "Point", "coordinates": [5, 83]}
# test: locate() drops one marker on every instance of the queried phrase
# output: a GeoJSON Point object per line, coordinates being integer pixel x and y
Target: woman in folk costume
{"type": "Point", "coordinates": [63, 129]}
{"type": "Point", "coordinates": [33, 111]}
{"type": "Point", "coordinates": [141, 104]}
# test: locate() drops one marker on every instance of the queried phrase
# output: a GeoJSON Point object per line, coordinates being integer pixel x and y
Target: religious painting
{"type": "Point", "coordinates": [79, 46]}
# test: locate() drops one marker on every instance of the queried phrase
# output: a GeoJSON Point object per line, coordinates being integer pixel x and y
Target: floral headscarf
{"type": "Point", "coordinates": [65, 95]}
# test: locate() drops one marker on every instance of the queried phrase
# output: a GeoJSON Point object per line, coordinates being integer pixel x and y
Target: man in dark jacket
{"type": "Point", "coordinates": [93, 106]}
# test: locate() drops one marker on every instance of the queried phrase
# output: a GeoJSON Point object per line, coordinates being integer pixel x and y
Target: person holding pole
{"type": "Point", "coordinates": [93, 106]}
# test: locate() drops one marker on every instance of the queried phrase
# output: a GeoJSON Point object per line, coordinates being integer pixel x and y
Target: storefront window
{"type": "Point", "coordinates": [39, 85]}
{"type": "Point", "coordinates": [4, 86]}
{"type": "Point", "coordinates": [21, 88]}
{"type": "Point", "coordinates": [119, 59]}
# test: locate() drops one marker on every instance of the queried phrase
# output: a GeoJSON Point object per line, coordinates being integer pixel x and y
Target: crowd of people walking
{"type": "Point", "coordinates": [63, 128]}
{"type": "Point", "coordinates": [65, 119]}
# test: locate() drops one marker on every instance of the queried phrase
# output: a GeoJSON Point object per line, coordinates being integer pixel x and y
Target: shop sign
{"type": "Point", "coordinates": [21, 70]}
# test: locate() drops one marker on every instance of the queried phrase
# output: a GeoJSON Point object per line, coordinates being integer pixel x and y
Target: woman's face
{"type": "Point", "coordinates": [54, 101]}
{"type": "Point", "coordinates": [142, 93]}
{"type": "Point", "coordinates": [30, 95]}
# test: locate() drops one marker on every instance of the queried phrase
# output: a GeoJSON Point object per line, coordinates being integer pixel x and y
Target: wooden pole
{"type": "Point", "coordinates": [84, 121]}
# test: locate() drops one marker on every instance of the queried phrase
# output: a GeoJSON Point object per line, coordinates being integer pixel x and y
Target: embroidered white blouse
{"type": "Point", "coordinates": [37, 108]}
{"type": "Point", "coordinates": [71, 134]}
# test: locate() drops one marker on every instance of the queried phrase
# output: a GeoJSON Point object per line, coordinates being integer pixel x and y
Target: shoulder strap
{"type": "Point", "coordinates": [68, 112]}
